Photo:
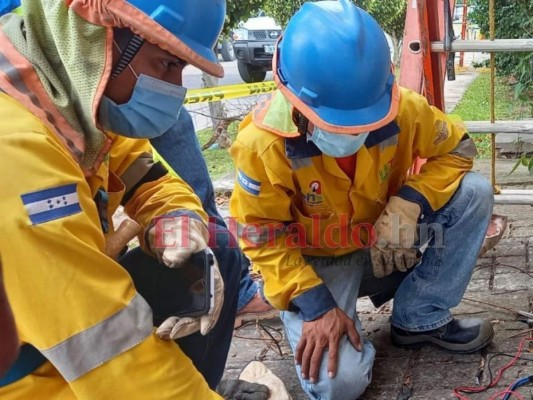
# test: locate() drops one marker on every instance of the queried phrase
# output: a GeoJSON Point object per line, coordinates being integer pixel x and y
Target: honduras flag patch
{"type": "Point", "coordinates": [51, 204]}
{"type": "Point", "coordinates": [250, 185]}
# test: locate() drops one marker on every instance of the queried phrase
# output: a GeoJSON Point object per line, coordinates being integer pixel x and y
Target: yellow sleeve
{"type": "Point", "coordinates": [261, 205]}
{"type": "Point", "coordinates": [448, 150]}
{"type": "Point", "coordinates": [77, 306]}
{"type": "Point", "coordinates": [150, 190]}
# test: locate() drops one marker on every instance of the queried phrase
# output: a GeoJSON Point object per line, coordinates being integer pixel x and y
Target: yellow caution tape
{"type": "Point", "coordinates": [207, 95]}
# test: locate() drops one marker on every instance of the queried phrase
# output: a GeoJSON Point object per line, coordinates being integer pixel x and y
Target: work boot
{"type": "Point", "coordinates": [257, 309]}
{"type": "Point", "coordinates": [457, 336]}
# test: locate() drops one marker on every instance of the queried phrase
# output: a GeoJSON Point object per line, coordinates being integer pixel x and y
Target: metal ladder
{"type": "Point", "coordinates": [428, 54]}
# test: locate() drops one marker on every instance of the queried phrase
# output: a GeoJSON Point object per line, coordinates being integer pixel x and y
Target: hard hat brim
{"type": "Point", "coordinates": [148, 29]}
{"type": "Point", "coordinates": [120, 14]}
{"type": "Point", "coordinates": [345, 121]}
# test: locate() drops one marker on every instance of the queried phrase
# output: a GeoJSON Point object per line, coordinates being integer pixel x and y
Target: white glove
{"type": "Point", "coordinates": [396, 236]}
{"type": "Point", "coordinates": [174, 239]}
{"type": "Point", "coordinates": [176, 327]}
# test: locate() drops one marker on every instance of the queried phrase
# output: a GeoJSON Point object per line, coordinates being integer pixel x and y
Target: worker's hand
{"type": "Point", "coordinates": [322, 334]}
{"type": "Point", "coordinates": [237, 389]}
{"type": "Point", "coordinates": [176, 327]}
{"type": "Point", "coordinates": [116, 241]}
{"type": "Point", "coordinates": [174, 239]}
{"type": "Point", "coordinates": [396, 235]}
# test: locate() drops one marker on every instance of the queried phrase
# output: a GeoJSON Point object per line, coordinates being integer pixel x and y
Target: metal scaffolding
{"type": "Point", "coordinates": [428, 55]}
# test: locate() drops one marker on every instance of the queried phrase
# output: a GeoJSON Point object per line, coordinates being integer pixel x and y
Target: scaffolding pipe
{"type": "Point", "coordinates": [517, 191]}
{"type": "Point", "coordinates": [514, 199]}
{"type": "Point", "coordinates": [522, 127]}
{"type": "Point", "coordinates": [499, 45]}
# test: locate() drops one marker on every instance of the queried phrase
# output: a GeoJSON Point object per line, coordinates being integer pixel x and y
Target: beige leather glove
{"type": "Point", "coordinates": [174, 239]}
{"type": "Point", "coordinates": [176, 327]}
{"type": "Point", "coordinates": [396, 236]}
{"type": "Point", "coordinates": [257, 372]}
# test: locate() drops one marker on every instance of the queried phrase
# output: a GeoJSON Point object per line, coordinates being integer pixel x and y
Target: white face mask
{"type": "Point", "coordinates": [337, 144]}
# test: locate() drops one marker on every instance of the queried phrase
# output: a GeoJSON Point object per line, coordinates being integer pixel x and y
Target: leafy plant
{"type": "Point", "coordinates": [514, 20]}
{"type": "Point", "coordinates": [524, 161]}
{"type": "Point", "coordinates": [390, 14]}
{"type": "Point", "coordinates": [240, 10]}
{"type": "Point", "coordinates": [481, 64]}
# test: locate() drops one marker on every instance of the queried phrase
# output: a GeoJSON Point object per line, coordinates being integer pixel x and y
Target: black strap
{"type": "Point", "coordinates": [157, 171]}
{"type": "Point", "coordinates": [127, 55]}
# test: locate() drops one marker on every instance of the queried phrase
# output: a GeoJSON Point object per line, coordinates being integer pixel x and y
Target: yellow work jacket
{"type": "Point", "coordinates": [73, 303]}
{"type": "Point", "coordinates": [291, 200]}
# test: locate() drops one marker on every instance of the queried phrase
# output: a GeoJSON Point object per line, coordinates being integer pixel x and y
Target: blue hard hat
{"type": "Point", "coordinates": [188, 29]}
{"type": "Point", "coordinates": [333, 64]}
{"type": "Point", "coordinates": [195, 23]}
{"type": "Point", "coordinates": [7, 6]}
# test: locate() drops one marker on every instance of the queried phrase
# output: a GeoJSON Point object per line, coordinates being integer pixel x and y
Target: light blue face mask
{"type": "Point", "coordinates": [154, 107]}
{"type": "Point", "coordinates": [335, 144]}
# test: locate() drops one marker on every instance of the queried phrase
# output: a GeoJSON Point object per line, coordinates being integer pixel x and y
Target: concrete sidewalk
{"type": "Point", "coordinates": [501, 281]}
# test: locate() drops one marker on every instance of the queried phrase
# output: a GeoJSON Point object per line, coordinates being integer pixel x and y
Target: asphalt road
{"type": "Point", "coordinates": [192, 79]}
{"type": "Point", "coordinates": [192, 76]}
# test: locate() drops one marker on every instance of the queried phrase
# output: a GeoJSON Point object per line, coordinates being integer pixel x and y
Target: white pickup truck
{"type": "Point", "coordinates": [254, 44]}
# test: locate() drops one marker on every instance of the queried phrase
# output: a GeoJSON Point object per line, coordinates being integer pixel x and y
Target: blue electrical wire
{"type": "Point", "coordinates": [516, 384]}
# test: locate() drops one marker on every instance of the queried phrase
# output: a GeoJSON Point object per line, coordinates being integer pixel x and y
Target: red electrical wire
{"type": "Point", "coordinates": [494, 382]}
{"type": "Point", "coordinates": [495, 397]}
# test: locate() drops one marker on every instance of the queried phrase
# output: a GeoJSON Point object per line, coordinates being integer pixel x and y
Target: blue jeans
{"type": "Point", "coordinates": [456, 233]}
{"type": "Point", "coordinates": [422, 297]}
{"type": "Point", "coordinates": [179, 147]}
{"type": "Point", "coordinates": [154, 281]}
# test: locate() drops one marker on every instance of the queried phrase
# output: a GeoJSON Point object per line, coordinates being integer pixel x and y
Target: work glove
{"type": "Point", "coordinates": [174, 239]}
{"type": "Point", "coordinates": [396, 235]}
{"type": "Point", "coordinates": [177, 327]}
{"type": "Point", "coordinates": [257, 372]}
{"type": "Point", "coordinates": [236, 389]}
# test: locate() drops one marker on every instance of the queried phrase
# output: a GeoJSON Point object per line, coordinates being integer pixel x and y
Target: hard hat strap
{"type": "Point", "coordinates": [127, 54]}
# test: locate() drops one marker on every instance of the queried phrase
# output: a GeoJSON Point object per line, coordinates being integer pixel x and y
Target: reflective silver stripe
{"type": "Point", "coordinates": [251, 233]}
{"type": "Point", "coordinates": [465, 148]}
{"type": "Point", "coordinates": [91, 348]}
{"type": "Point", "coordinates": [392, 141]}
{"type": "Point", "coordinates": [298, 163]}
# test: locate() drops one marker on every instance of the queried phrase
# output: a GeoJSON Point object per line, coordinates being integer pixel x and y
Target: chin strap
{"type": "Point", "coordinates": [128, 46]}
{"type": "Point", "coordinates": [301, 123]}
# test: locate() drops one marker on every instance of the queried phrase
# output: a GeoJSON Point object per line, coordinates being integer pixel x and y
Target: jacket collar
{"type": "Point", "coordinates": [300, 147]}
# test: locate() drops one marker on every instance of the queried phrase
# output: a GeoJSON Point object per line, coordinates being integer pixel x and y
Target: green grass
{"type": "Point", "coordinates": [475, 106]}
{"type": "Point", "coordinates": [219, 161]}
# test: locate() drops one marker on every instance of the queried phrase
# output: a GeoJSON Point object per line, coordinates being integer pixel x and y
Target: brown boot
{"type": "Point", "coordinates": [257, 309]}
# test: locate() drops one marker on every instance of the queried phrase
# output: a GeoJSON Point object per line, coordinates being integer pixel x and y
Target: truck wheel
{"type": "Point", "coordinates": [251, 74]}
{"type": "Point", "coordinates": [227, 51]}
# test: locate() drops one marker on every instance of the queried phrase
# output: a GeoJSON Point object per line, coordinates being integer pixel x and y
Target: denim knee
{"type": "Point", "coordinates": [348, 384]}
{"type": "Point", "coordinates": [480, 192]}
{"type": "Point", "coordinates": [354, 374]}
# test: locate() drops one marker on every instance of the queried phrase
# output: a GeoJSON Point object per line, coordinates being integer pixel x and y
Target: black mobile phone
{"type": "Point", "coordinates": [198, 278]}
{"type": "Point", "coordinates": [186, 291]}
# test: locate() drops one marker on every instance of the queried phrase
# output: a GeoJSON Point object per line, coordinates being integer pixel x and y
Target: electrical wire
{"type": "Point", "coordinates": [516, 384]}
{"type": "Point", "coordinates": [459, 391]}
